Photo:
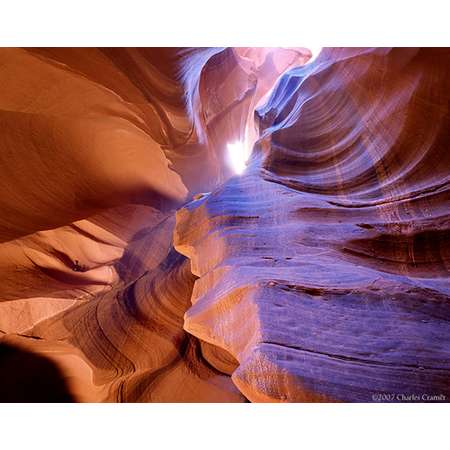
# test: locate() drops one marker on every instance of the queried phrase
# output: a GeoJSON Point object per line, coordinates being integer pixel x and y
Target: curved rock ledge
{"type": "Point", "coordinates": [99, 146]}
{"type": "Point", "coordinates": [324, 269]}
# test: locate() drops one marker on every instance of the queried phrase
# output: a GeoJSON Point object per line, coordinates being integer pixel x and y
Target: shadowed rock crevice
{"type": "Point", "coordinates": [46, 384]}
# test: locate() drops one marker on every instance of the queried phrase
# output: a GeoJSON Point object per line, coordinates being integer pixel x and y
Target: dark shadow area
{"type": "Point", "coordinates": [26, 377]}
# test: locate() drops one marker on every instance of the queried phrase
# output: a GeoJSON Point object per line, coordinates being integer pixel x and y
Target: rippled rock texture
{"type": "Point", "coordinates": [98, 148]}
{"type": "Point", "coordinates": [320, 274]}
{"type": "Point", "coordinates": [324, 269]}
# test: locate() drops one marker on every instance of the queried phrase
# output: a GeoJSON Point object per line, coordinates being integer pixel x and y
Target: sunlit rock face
{"type": "Point", "coordinates": [99, 146]}
{"type": "Point", "coordinates": [136, 266]}
{"type": "Point", "coordinates": [324, 269]}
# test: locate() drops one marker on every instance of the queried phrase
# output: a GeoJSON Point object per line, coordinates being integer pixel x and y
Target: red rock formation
{"type": "Point", "coordinates": [99, 146]}
{"type": "Point", "coordinates": [320, 274]}
{"type": "Point", "coordinates": [324, 269]}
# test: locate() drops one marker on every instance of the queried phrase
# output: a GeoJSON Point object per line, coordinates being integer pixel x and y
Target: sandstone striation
{"type": "Point", "coordinates": [324, 269]}
{"type": "Point", "coordinates": [136, 267]}
{"type": "Point", "coordinates": [99, 146]}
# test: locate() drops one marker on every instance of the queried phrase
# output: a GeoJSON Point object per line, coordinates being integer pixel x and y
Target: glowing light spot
{"type": "Point", "coordinates": [237, 157]}
{"type": "Point", "coordinates": [315, 50]}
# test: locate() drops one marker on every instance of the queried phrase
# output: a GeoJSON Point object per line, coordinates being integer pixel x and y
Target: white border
{"type": "Point", "coordinates": [266, 23]}
{"type": "Point", "coordinates": [224, 426]}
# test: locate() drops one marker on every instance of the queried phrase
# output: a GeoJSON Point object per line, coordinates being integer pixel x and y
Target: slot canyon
{"type": "Point", "coordinates": [224, 224]}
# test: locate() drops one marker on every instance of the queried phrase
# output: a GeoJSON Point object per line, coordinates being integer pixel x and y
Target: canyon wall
{"type": "Point", "coordinates": [320, 274]}
{"type": "Point", "coordinates": [324, 269]}
{"type": "Point", "coordinates": [99, 147]}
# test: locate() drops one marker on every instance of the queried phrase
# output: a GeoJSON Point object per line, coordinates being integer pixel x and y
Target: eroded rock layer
{"type": "Point", "coordinates": [320, 274]}
{"type": "Point", "coordinates": [324, 269]}
{"type": "Point", "coordinates": [98, 148]}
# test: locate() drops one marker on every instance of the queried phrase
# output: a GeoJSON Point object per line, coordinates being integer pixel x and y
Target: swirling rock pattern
{"type": "Point", "coordinates": [320, 274]}
{"type": "Point", "coordinates": [98, 148]}
{"type": "Point", "coordinates": [324, 269]}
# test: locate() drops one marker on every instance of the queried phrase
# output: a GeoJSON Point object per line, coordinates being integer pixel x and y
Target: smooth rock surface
{"type": "Point", "coordinates": [136, 268]}
{"type": "Point", "coordinates": [99, 147]}
{"type": "Point", "coordinates": [324, 269]}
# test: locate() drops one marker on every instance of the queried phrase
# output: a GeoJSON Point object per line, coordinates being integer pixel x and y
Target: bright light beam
{"type": "Point", "coordinates": [237, 157]}
{"type": "Point", "coordinates": [315, 50]}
